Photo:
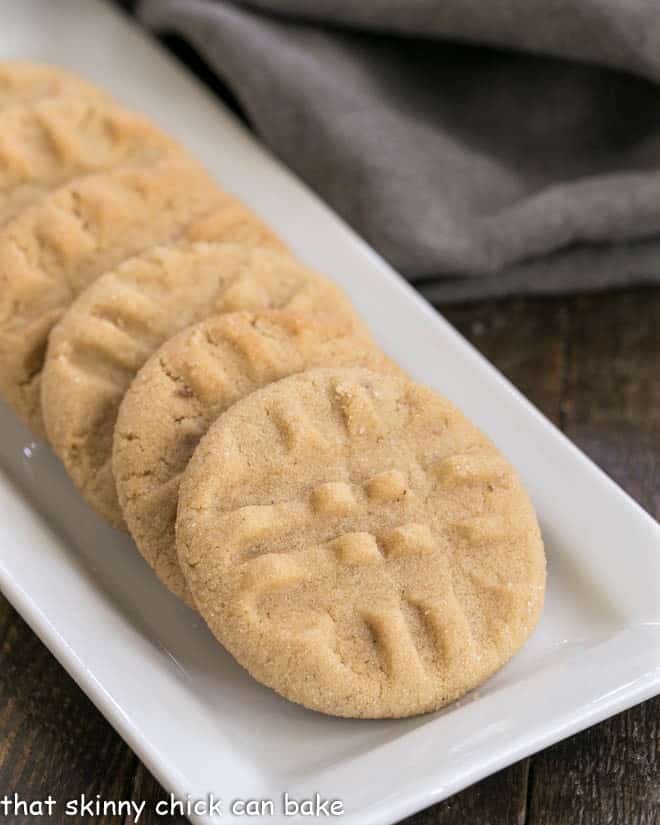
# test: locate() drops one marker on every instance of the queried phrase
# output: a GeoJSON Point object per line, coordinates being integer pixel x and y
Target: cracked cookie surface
{"type": "Point", "coordinates": [54, 249]}
{"type": "Point", "coordinates": [187, 384]}
{"type": "Point", "coordinates": [358, 545]}
{"type": "Point", "coordinates": [45, 144]}
{"type": "Point", "coordinates": [114, 326]}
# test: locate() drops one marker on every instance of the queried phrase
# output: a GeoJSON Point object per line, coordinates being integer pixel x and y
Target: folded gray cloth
{"type": "Point", "coordinates": [484, 147]}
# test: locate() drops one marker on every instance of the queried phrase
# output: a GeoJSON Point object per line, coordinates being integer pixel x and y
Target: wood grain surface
{"type": "Point", "coordinates": [592, 365]}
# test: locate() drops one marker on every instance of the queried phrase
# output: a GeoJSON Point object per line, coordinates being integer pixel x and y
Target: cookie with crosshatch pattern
{"type": "Point", "coordinates": [358, 545]}
{"type": "Point", "coordinates": [54, 249]}
{"type": "Point", "coordinates": [111, 330]}
{"type": "Point", "coordinates": [197, 375]}
{"type": "Point", "coordinates": [47, 143]}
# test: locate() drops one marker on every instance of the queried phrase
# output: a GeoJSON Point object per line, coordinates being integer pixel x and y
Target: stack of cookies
{"type": "Point", "coordinates": [348, 535]}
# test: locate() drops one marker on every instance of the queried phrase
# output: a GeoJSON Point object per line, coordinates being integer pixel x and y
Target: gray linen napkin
{"type": "Point", "coordinates": [483, 147]}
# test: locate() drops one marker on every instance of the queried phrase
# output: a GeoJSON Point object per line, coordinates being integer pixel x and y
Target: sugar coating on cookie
{"type": "Point", "coordinates": [55, 248]}
{"type": "Point", "coordinates": [24, 82]}
{"type": "Point", "coordinates": [114, 326]}
{"type": "Point", "coordinates": [358, 545]}
{"type": "Point", "coordinates": [49, 142]}
{"type": "Point", "coordinates": [188, 383]}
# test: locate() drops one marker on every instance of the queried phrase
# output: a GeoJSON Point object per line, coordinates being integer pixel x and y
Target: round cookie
{"type": "Point", "coordinates": [358, 545]}
{"type": "Point", "coordinates": [24, 82]}
{"type": "Point", "coordinates": [113, 327]}
{"type": "Point", "coordinates": [52, 141]}
{"type": "Point", "coordinates": [186, 385]}
{"type": "Point", "coordinates": [55, 248]}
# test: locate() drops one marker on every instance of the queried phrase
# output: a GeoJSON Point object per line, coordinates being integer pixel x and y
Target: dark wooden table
{"type": "Point", "coordinates": [592, 365]}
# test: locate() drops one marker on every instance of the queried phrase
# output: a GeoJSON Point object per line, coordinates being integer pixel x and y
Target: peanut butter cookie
{"type": "Point", "coordinates": [358, 545]}
{"type": "Point", "coordinates": [55, 248]}
{"type": "Point", "coordinates": [186, 385]}
{"type": "Point", "coordinates": [45, 144]}
{"type": "Point", "coordinates": [114, 326]}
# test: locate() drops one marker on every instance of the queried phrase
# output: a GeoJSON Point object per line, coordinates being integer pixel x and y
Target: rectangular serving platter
{"type": "Point", "coordinates": [196, 719]}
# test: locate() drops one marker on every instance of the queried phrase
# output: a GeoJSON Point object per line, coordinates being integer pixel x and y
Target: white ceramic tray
{"type": "Point", "coordinates": [196, 719]}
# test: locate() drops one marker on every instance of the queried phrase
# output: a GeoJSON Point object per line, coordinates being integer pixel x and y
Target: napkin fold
{"type": "Point", "coordinates": [484, 148]}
